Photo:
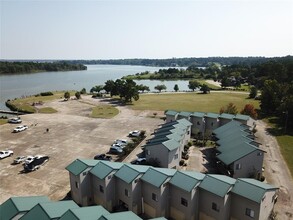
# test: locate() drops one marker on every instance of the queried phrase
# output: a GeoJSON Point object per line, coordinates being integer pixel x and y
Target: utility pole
{"type": "Point", "coordinates": [286, 122]}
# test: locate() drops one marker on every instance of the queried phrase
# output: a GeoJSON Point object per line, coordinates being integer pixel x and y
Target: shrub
{"type": "Point", "coordinates": [67, 95]}
{"type": "Point", "coordinates": [77, 95]}
{"type": "Point", "coordinates": [46, 93]}
{"type": "Point", "coordinates": [83, 91]}
{"type": "Point", "coordinates": [142, 133]}
{"type": "Point", "coordinates": [190, 143]}
{"type": "Point", "coordinates": [181, 163]}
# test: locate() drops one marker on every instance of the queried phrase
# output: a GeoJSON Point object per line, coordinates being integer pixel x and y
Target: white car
{"type": "Point", "coordinates": [19, 159]}
{"type": "Point", "coordinates": [29, 159]}
{"type": "Point", "coordinates": [5, 153]}
{"type": "Point", "coordinates": [20, 128]}
{"type": "Point", "coordinates": [118, 145]}
{"type": "Point", "coordinates": [121, 142]}
{"type": "Point", "coordinates": [135, 133]}
{"type": "Point", "coordinates": [16, 120]}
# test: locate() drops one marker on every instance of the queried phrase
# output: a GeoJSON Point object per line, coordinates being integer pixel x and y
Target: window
{"type": "Point", "coordinates": [198, 123]}
{"type": "Point", "coordinates": [109, 177]}
{"type": "Point", "coordinates": [76, 185]}
{"type": "Point", "coordinates": [84, 173]}
{"type": "Point", "coordinates": [184, 202]}
{"type": "Point", "coordinates": [154, 197]}
{"type": "Point", "coordinates": [259, 153]}
{"type": "Point", "coordinates": [101, 189]}
{"type": "Point", "coordinates": [215, 207]}
{"type": "Point", "coordinates": [249, 212]}
{"type": "Point", "coordinates": [135, 181]}
{"type": "Point", "coordinates": [126, 192]}
{"type": "Point", "coordinates": [148, 152]}
{"type": "Point", "coordinates": [176, 156]}
{"type": "Point", "coordinates": [165, 184]}
{"type": "Point", "coordinates": [238, 166]}
{"type": "Point", "coordinates": [212, 124]}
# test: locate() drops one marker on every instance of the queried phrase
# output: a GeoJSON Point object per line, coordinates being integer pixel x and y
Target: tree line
{"type": "Point", "coordinates": [30, 67]}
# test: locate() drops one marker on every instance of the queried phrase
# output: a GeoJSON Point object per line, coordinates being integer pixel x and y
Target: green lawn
{"type": "Point", "coordinates": [285, 142]}
{"type": "Point", "coordinates": [47, 110]}
{"type": "Point", "coordinates": [192, 101]}
{"type": "Point", "coordinates": [104, 111]}
{"type": "Point", "coordinates": [3, 121]}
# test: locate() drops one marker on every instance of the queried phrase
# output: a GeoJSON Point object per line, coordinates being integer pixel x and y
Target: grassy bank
{"type": "Point", "coordinates": [192, 101]}
{"type": "Point", "coordinates": [104, 111]}
{"type": "Point", "coordinates": [285, 142]}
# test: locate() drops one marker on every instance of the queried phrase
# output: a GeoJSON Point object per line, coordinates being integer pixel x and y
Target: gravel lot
{"type": "Point", "coordinates": [72, 134]}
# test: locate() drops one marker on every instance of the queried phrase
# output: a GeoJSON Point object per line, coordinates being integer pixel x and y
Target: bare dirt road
{"type": "Point", "coordinates": [276, 172]}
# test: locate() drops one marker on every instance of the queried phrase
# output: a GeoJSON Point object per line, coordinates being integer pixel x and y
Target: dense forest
{"type": "Point", "coordinates": [179, 62]}
{"type": "Point", "coordinates": [30, 67]}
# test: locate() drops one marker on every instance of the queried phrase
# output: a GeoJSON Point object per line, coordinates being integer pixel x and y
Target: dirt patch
{"type": "Point", "coordinates": [72, 134]}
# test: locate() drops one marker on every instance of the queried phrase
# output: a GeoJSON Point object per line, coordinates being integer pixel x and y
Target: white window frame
{"type": "Point", "coordinates": [249, 212]}
{"type": "Point", "coordinates": [154, 197]}
{"type": "Point", "coordinates": [238, 166]}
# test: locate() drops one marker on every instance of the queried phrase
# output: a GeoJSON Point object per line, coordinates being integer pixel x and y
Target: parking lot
{"type": "Point", "coordinates": [72, 134]}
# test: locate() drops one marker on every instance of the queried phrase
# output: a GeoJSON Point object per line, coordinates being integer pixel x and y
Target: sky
{"type": "Point", "coordinates": [118, 29]}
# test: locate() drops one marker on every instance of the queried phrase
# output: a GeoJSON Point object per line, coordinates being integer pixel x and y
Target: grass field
{"type": "Point", "coordinates": [3, 121]}
{"type": "Point", "coordinates": [192, 101]}
{"type": "Point", "coordinates": [104, 111]}
{"type": "Point", "coordinates": [47, 110]}
{"type": "Point", "coordinates": [285, 142]}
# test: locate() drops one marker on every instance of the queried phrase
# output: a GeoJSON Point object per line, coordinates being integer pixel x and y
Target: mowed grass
{"type": "Point", "coordinates": [3, 121]}
{"type": "Point", "coordinates": [26, 103]}
{"type": "Point", "coordinates": [285, 142]}
{"type": "Point", "coordinates": [192, 101]}
{"type": "Point", "coordinates": [104, 111]}
{"type": "Point", "coordinates": [47, 110]}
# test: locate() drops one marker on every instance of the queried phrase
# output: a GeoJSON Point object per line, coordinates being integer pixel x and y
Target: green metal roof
{"type": "Point", "coordinates": [103, 169]}
{"type": "Point", "coordinates": [211, 115]}
{"type": "Point", "coordinates": [85, 213]}
{"type": "Point", "coordinates": [170, 127]}
{"type": "Point", "coordinates": [186, 180]}
{"type": "Point", "coordinates": [128, 215]}
{"type": "Point", "coordinates": [233, 154]}
{"type": "Point", "coordinates": [15, 205]}
{"type": "Point", "coordinates": [185, 114]}
{"type": "Point", "coordinates": [171, 144]}
{"type": "Point", "coordinates": [228, 126]}
{"type": "Point", "coordinates": [242, 117]}
{"type": "Point", "coordinates": [160, 139]}
{"type": "Point", "coordinates": [227, 116]}
{"type": "Point", "coordinates": [172, 130]}
{"type": "Point", "coordinates": [251, 189]}
{"type": "Point", "coordinates": [184, 122]}
{"type": "Point", "coordinates": [49, 210]}
{"type": "Point", "coordinates": [79, 165]}
{"type": "Point", "coordinates": [217, 184]}
{"type": "Point", "coordinates": [198, 114]}
{"type": "Point", "coordinates": [171, 113]}
{"type": "Point", "coordinates": [234, 139]}
{"type": "Point", "coordinates": [128, 172]}
{"type": "Point", "coordinates": [157, 176]}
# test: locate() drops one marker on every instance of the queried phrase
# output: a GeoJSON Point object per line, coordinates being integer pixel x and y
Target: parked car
{"type": "Point", "coordinates": [20, 128]}
{"type": "Point", "coordinates": [118, 145]}
{"type": "Point", "coordinates": [19, 159]}
{"type": "Point", "coordinates": [115, 150]}
{"type": "Point", "coordinates": [121, 142]}
{"type": "Point", "coordinates": [16, 120]}
{"type": "Point", "coordinates": [140, 161]}
{"type": "Point", "coordinates": [36, 163]}
{"type": "Point", "coordinates": [103, 157]}
{"type": "Point", "coordinates": [5, 153]}
{"type": "Point", "coordinates": [135, 133]}
{"type": "Point", "coordinates": [29, 159]}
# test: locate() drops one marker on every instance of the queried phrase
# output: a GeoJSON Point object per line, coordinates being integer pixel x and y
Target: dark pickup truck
{"type": "Point", "coordinates": [103, 157]}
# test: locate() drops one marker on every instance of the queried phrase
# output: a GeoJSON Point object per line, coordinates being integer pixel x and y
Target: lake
{"type": "Point", "coordinates": [18, 85]}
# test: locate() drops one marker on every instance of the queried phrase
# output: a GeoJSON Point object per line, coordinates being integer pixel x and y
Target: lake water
{"type": "Point", "coordinates": [18, 85]}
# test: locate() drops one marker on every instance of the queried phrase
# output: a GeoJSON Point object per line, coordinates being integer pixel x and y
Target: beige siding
{"type": "Point", "coordinates": [206, 199]}
{"type": "Point", "coordinates": [170, 118]}
{"type": "Point", "coordinates": [180, 211]}
{"type": "Point", "coordinates": [197, 125]}
{"type": "Point", "coordinates": [211, 124]}
{"type": "Point", "coordinates": [239, 205]}
{"type": "Point", "coordinates": [250, 164]}
{"type": "Point", "coordinates": [159, 152]}
{"type": "Point", "coordinates": [172, 162]}
{"type": "Point", "coordinates": [161, 206]}
{"type": "Point", "coordinates": [224, 121]}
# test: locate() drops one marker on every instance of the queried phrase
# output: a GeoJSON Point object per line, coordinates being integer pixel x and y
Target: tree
{"type": "Point", "coordinates": [160, 87]}
{"type": "Point", "coordinates": [271, 96]}
{"type": "Point", "coordinates": [77, 95]}
{"type": "Point", "coordinates": [253, 92]}
{"type": "Point", "coordinates": [143, 88]}
{"type": "Point", "coordinates": [127, 90]}
{"type": "Point", "coordinates": [110, 87]}
{"type": "Point", "coordinates": [83, 91]}
{"type": "Point", "coordinates": [193, 84]}
{"type": "Point", "coordinates": [176, 88]}
{"type": "Point", "coordinates": [205, 89]}
{"type": "Point", "coordinates": [67, 95]}
{"type": "Point", "coordinates": [230, 109]}
{"type": "Point", "coordinates": [97, 89]}
{"type": "Point", "coordinates": [249, 110]}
